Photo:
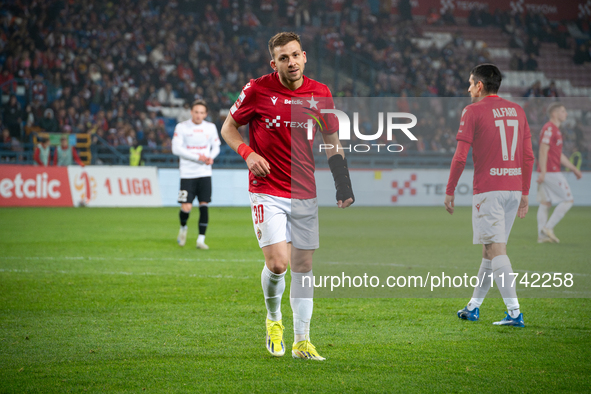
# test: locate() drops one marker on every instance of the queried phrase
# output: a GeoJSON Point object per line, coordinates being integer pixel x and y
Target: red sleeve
{"type": "Point", "coordinates": [457, 166]}
{"type": "Point", "coordinates": [547, 135]}
{"type": "Point", "coordinates": [244, 108]}
{"type": "Point", "coordinates": [331, 119]}
{"type": "Point", "coordinates": [76, 157]}
{"type": "Point", "coordinates": [36, 157]}
{"type": "Point", "coordinates": [466, 130]}
{"type": "Point", "coordinates": [528, 165]}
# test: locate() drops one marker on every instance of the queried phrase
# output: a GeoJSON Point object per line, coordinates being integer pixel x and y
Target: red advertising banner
{"type": "Point", "coordinates": [34, 186]}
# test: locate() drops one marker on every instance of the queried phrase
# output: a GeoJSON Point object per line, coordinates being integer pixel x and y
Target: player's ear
{"type": "Point", "coordinates": [272, 63]}
{"type": "Point", "coordinates": [481, 86]}
{"type": "Point", "coordinates": [305, 58]}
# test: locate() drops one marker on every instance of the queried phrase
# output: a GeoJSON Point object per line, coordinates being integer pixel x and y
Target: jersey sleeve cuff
{"type": "Point", "coordinates": [465, 139]}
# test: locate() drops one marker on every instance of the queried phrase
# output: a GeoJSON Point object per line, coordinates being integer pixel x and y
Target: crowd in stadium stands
{"type": "Point", "coordinates": [115, 69]}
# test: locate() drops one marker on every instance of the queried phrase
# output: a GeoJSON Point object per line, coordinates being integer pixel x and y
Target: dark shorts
{"type": "Point", "coordinates": [195, 187]}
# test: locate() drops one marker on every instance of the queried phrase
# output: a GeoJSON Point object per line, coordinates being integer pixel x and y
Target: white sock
{"type": "Point", "coordinates": [502, 265]}
{"type": "Point", "coordinates": [474, 303]}
{"type": "Point", "coordinates": [542, 218]}
{"type": "Point", "coordinates": [484, 282]}
{"type": "Point", "coordinates": [514, 312]}
{"type": "Point", "coordinates": [302, 304]}
{"type": "Point", "coordinates": [558, 214]}
{"type": "Point", "coordinates": [273, 288]}
{"type": "Point", "coordinates": [201, 238]}
{"type": "Point", "coordinates": [184, 227]}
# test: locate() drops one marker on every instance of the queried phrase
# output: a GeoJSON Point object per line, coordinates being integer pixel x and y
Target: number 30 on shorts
{"type": "Point", "coordinates": [183, 196]}
{"type": "Point", "coordinates": [259, 213]}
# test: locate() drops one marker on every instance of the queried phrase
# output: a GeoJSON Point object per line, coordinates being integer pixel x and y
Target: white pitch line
{"type": "Point", "coordinates": [28, 271]}
{"type": "Point", "coordinates": [100, 258]}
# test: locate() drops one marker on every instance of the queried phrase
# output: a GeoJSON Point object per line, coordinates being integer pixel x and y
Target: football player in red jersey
{"type": "Point", "coordinates": [553, 187]}
{"type": "Point", "coordinates": [281, 183]}
{"type": "Point", "coordinates": [498, 132]}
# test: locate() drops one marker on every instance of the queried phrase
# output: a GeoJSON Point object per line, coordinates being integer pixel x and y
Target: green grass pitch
{"type": "Point", "coordinates": [104, 300]}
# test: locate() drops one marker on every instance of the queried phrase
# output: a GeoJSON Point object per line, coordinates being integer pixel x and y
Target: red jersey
{"type": "Point", "coordinates": [551, 135]}
{"type": "Point", "coordinates": [271, 109]}
{"type": "Point", "coordinates": [500, 137]}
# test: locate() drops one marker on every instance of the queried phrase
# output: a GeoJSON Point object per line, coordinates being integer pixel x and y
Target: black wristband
{"type": "Point", "coordinates": [342, 181]}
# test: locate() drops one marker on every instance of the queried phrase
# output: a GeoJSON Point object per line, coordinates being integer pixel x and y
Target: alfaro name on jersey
{"type": "Point", "coordinates": [498, 131]}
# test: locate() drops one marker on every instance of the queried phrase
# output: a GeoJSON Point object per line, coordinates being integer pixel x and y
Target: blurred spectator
{"type": "Point", "coordinates": [29, 116]}
{"type": "Point", "coordinates": [6, 138]}
{"type": "Point", "coordinates": [150, 141]}
{"type": "Point", "coordinates": [166, 95]}
{"type": "Point", "coordinates": [12, 117]}
{"type": "Point", "coordinates": [42, 152]}
{"type": "Point", "coordinates": [516, 63]}
{"type": "Point", "coordinates": [533, 46]}
{"type": "Point", "coordinates": [405, 10]}
{"type": "Point", "coordinates": [49, 123]}
{"type": "Point", "coordinates": [136, 154]}
{"type": "Point", "coordinates": [448, 17]}
{"type": "Point", "coordinates": [8, 142]}
{"type": "Point", "coordinates": [433, 17]}
{"type": "Point", "coordinates": [581, 54]}
{"type": "Point", "coordinates": [6, 76]}
{"type": "Point", "coordinates": [531, 64]}
{"type": "Point", "coordinates": [551, 91]}
{"type": "Point", "coordinates": [184, 114]}
{"type": "Point", "coordinates": [65, 155]}
{"type": "Point", "coordinates": [535, 90]}
{"type": "Point", "coordinates": [39, 89]}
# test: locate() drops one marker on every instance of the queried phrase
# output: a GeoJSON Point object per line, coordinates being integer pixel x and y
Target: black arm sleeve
{"type": "Point", "coordinates": [342, 181]}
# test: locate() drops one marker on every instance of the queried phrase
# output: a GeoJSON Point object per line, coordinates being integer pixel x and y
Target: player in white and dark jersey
{"type": "Point", "coordinates": [498, 132]}
{"type": "Point", "coordinates": [197, 144]}
{"type": "Point", "coordinates": [553, 187]}
{"type": "Point", "coordinates": [281, 183]}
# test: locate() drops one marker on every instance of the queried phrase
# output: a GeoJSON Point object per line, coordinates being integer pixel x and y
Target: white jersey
{"type": "Point", "coordinates": [192, 140]}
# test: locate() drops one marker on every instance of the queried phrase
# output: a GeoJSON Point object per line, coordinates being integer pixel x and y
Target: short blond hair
{"type": "Point", "coordinates": [553, 107]}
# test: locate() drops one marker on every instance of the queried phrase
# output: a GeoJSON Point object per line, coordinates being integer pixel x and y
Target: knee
{"type": "Point", "coordinates": [302, 264]}
{"type": "Point", "coordinates": [186, 207]}
{"type": "Point", "coordinates": [277, 264]}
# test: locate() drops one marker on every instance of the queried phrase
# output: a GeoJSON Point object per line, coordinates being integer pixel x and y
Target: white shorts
{"type": "Point", "coordinates": [493, 214]}
{"type": "Point", "coordinates": [554, 189]}
{"type": "Point", "coordinates": [277, 219]}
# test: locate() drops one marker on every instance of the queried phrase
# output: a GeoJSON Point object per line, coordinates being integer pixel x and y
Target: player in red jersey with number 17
{"type": "Point", "coordinates": [498, 132]}
{"type": "Point", "coordinates": [281, 182]}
